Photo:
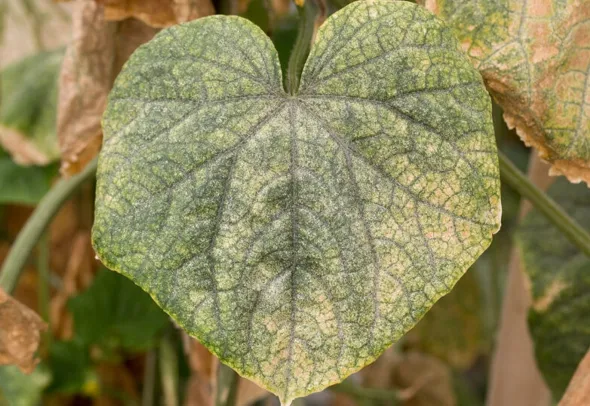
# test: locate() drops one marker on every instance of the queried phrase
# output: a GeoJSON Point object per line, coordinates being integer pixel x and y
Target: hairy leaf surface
{"type": "Point", "coordinates": [297, 237]}
{"type": "Point", "coordinates": [559, 277]}
{"type": "Point", "coordinates": [535, 59]}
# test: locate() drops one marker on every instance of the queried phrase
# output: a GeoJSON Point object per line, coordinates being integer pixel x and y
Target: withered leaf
{"type": "Point", "coordinates": [85, 80]}
{"type": "Point", "coordinates": [535, 59]}
{"type": "Point", "coordinates": [20, 333]}
{"type": "Point", "coordinates": [157, 13]}
{"type": "Point", "coordinates": [99, 50]}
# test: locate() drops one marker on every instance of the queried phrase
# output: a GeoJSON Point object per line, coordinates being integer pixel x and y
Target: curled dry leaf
{"type": "Point", "coordinates": [578, 391]}
{"type": "Point", "coordinates": [535, 59]}
{"type": "Point", "coordinates": [92, 61]}
{"type": "Point", "coordinates": [157, 13]}
{"type": "Point", "coordinates": [86, 78]}
{"type": "Point", "coordinates": [20, 333]}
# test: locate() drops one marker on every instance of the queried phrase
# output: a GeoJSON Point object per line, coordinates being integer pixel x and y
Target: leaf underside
{"type": "Point", "coordinates": [559, 281]}
{"type": "Point", "coordinates": [535, 59]}
{"type": "Point", "coordinates": [297, 237]}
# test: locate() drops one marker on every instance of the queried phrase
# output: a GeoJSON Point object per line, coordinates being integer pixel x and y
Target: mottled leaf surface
{"type": "Point", "coordinates": [297, 237]}
{"type": "Point", "coordinates": [559, 276]}
{"type": "Point", "coordinates": [28, 103]}
{"type": "Point", "coordinates": [535, 59]}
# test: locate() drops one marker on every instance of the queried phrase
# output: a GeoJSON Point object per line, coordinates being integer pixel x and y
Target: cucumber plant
{"type": "Point", "coordinates": [298, 232]}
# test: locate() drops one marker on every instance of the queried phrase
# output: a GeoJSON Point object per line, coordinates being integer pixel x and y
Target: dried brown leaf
{"type": "Point", "coordinates": [95, 57]}
{"type": "Point", "coordinates": [20, 333]}
{"type": "Point", "coordinates": [535, 59]}
{"type": "Point", "coordinates": [86, 78]}
{"type": "Point", "coordinates": [157, 13]}
{"type": "Point", "coordinates": [578, 391]}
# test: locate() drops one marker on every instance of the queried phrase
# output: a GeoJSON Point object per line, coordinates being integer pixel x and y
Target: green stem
{"type": "Point", "coordinates": [37, 224]}
{"type": "Point", "coordinates": [43, 276]}
{"type": "Point", "coordinates": [227, 386]}
{"type": "Point", "coordinates": [169, 371]}
{"type": "Point", "coordinates": [307, 16]}
{"type": "Point", "coordinates": [542, 202]}
{"type": "Point", "coordinates": [360, 392]}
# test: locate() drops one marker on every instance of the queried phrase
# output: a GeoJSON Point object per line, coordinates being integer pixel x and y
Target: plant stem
{"type": "Point", "coordinates": [307, 16]}
{"type": "Point", "coordinates": [43, 276]}
{"type": "Point", "coordinates": [169, 371]}
{"type": "Point", "coordinates": [542, 202]}
{"type": "Point", "coordinates": [227, 386]}
{"type": "Point", "coordinates": [37, 224]}
{"type": "Point", "coordinates": [360, 392]}
{"type": "Point", "coordinates": [149, 379]}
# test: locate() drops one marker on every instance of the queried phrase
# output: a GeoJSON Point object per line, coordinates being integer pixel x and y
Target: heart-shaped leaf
{"type": "Point", "coordinates": [297, 237]}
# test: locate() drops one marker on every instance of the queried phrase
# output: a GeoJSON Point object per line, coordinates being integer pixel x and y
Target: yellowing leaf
{"type": "Point", "coordinates": [157, 13]}
{"type": "Point", "coordinates": [20, 333]}
{"type": "Point", "coordinates": [559, 284]}
{"type": "Point", "coordinates": [298, 236]}
{"type": "Point", "coordinates": [535, 59]}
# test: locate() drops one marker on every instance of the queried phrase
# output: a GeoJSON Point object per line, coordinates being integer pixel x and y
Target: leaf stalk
{"type": "Point", "coordinates": [545, 204]}
{"type": "Point", "coordinates": [308, 14]}
{"type": "Point", "coordinates": [37, 224]}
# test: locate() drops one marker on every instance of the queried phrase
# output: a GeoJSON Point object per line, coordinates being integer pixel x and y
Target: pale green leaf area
{"type": "Point", "coordinates": [535, 59]}
{"type": "Point", "coordinates": [20, 389]}
{"type": "Point", "coordinates": [559, 276]}
{"type": "Point", "coordinates": [28, 108]}
{"type": "Point", "coordinates": [297, 237]}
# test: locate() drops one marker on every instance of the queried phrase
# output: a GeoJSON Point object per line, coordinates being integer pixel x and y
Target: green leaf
{"type": "Point", "coordinates": [559, 284]}
{"type": "Point", "coordinates": [71, 369]}
{"type": "Point", "coordinates": [114, 313]}
{"type": "Point", "coordinates": [535, 59]}
{"type": "Point", "coordinates": [28, 108]}
{"type": "Point", "coordinates": [297, 237]}
{"type": "Point", "coordinates": [23, 184]}
{"type": "Point", "coordinates": [20, 389]}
